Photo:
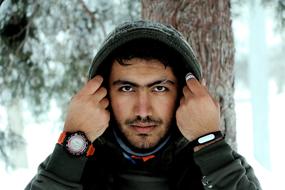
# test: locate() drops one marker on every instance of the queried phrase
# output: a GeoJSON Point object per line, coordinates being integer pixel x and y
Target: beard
{"type": "Point", "coordinates": [143, 140]}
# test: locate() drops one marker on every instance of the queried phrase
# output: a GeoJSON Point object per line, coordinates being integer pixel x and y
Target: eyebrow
{"type": "Point", "coordinates": [126, 82]}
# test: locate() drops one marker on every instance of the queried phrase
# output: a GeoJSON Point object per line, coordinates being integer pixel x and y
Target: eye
{"type": "Point", "coordinates": [160, 89]}
{"type": "Point", "coordinates": [126, 89]}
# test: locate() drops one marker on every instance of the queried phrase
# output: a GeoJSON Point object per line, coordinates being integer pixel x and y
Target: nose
{"type": "Point", "coordinates": [143, 105]}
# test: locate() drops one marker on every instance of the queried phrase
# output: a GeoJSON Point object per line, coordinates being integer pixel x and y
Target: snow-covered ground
{"type": "Point", "coordinates": [41, 141]}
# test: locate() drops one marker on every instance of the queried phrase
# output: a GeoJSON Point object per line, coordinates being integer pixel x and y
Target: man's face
{"type": "Point", "coordinates": [143, 97]}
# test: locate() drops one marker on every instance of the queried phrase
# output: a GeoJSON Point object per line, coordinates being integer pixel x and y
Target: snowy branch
{"type": "Point", "coordinates": [27, 27]}
{"type": "Point", "coordinates": [1, 1]}
{"type": "Point", "coordinates": [94, 19]}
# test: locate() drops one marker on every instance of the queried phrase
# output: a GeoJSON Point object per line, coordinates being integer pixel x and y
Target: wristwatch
{"type": "Point", "coordinates": [207, 138]}
{"type": "Point", "coordinates": [76, 143]}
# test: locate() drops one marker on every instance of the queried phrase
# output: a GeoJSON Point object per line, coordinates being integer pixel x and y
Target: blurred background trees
{"type": "Point", "coordinates": [46, 49]}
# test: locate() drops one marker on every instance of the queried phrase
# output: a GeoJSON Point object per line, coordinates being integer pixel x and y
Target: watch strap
{"type": "Point", "coordinates": [209, 137]}
{"type": "Point", "coordinates": [62, 137]}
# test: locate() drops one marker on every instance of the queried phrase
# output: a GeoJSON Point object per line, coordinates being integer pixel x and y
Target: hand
{"type": "Point", "coordinates": [87, 110]}
{"type": "Point", "coordinates": [198, 114]}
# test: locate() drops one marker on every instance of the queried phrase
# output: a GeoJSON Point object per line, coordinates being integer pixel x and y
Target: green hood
{"type": "Point", "coordinates": [143, 29]}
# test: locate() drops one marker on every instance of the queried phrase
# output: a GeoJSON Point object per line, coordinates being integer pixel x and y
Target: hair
{"type": "Point", "coordinates": [145, 49]}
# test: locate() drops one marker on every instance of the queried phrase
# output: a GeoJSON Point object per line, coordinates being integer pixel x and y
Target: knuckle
{"type": "Point", "coordinates": [201, 97]}
{"type": "Point", "coordinates": [177, 115]}
{"type": "Point", "coordinates": [106, 104]}
{"type": "Point", "coordinates": [185, 89]}
{"type": "Point", "coordinates": [106, 115]}
{"type": "Point", "coordinates": [104, 91]}
{"type": "Point", "coordinates": [96, 81]}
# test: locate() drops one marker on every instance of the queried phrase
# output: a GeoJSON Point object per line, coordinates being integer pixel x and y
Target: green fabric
{"type": "Point", "coordinates": [147, 30]}
{"type": "Point", "coordinates": [60, 162]}
{"type": "Point", "coordinates": [223, 168]}
{"type": "Point", "coordinates": [59, 171]}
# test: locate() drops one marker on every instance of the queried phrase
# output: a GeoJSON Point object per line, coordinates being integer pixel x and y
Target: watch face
{"type": "Point", "coordinates": [76, 144]}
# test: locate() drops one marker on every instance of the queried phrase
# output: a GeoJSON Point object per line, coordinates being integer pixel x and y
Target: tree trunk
{"type": "Point", "coordinates": [17, 152]}
{"type": "Point", "coordinates": [206, 24]}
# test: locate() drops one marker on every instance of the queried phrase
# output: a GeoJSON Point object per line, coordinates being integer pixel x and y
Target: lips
{"type": "Point", "coordinates": [143, 128]}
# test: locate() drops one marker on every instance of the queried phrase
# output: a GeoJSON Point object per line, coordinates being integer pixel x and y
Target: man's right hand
{"type": "Point", "coordinates": [87, 110]}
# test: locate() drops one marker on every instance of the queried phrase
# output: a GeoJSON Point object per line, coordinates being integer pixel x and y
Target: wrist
{"type": "Point", "coordinates": [199, 147]}
{"type": "Point", "coordinates": [90, 135]}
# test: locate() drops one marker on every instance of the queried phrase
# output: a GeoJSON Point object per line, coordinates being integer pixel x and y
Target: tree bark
{"type": "Point", "coordinates": [206, 24]}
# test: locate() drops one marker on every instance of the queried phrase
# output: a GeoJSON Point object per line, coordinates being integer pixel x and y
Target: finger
{"type": "Point", "coordinates": [92, 85]}
{"type": "Point", "coordinates": [104, 103]}
{"type": "Point", "coordinates": [100, 94]}
{"type": "Point", "coordinates": [106, 117]}
{"type": "Point", "coordinates": [216, 102]}
{"type": "Point", "coordinates": [204, 82]}
{"type": "Point", "coordinates": [186, 91]}
{"type": "Point", "coordinates": [193, 84]}
{"type": "Point", "coordinates": [182, 100]}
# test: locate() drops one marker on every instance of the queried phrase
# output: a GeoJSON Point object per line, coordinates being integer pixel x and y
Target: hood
{"type": "Point", "coordinates": [144, 29]}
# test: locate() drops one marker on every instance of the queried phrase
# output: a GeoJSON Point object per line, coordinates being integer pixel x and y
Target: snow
{"type": "Point", "coordinates": [40, 139]}
{"type": "Point", "coordinates": [269, 178]}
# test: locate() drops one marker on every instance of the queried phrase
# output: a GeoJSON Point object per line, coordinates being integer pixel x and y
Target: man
{"type": "Point", "coordinates": [139, 123]}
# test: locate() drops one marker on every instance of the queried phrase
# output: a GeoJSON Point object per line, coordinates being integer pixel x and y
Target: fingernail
{"type": "Point", "coordinates": [204, 82]}
{"type": "Point", "coordinates": [99, 78]}
{"type": "Point", "coordinates": [189, 76]}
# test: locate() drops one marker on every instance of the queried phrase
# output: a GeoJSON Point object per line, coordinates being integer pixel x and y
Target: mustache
{"type": "Point", "coordinates": [146, 120]}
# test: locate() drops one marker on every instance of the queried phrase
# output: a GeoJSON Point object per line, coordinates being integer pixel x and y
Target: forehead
{"type": "Point", "coordinates": [137, 67]}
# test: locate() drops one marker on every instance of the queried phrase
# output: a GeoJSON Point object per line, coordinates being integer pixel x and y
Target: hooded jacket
{"type": "Point", "coordinates": [175, 165]}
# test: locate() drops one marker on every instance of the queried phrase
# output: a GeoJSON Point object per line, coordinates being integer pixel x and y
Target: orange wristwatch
{"type": "Point", "coordinates": [76, 143]}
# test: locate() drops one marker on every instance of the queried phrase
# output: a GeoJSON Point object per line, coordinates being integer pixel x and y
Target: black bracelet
{"type": "Point", "coordinates": [207, 138]}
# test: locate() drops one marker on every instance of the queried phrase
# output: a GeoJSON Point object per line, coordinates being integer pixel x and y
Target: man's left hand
{"type": "Point", "coordinates": [198, 114]}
